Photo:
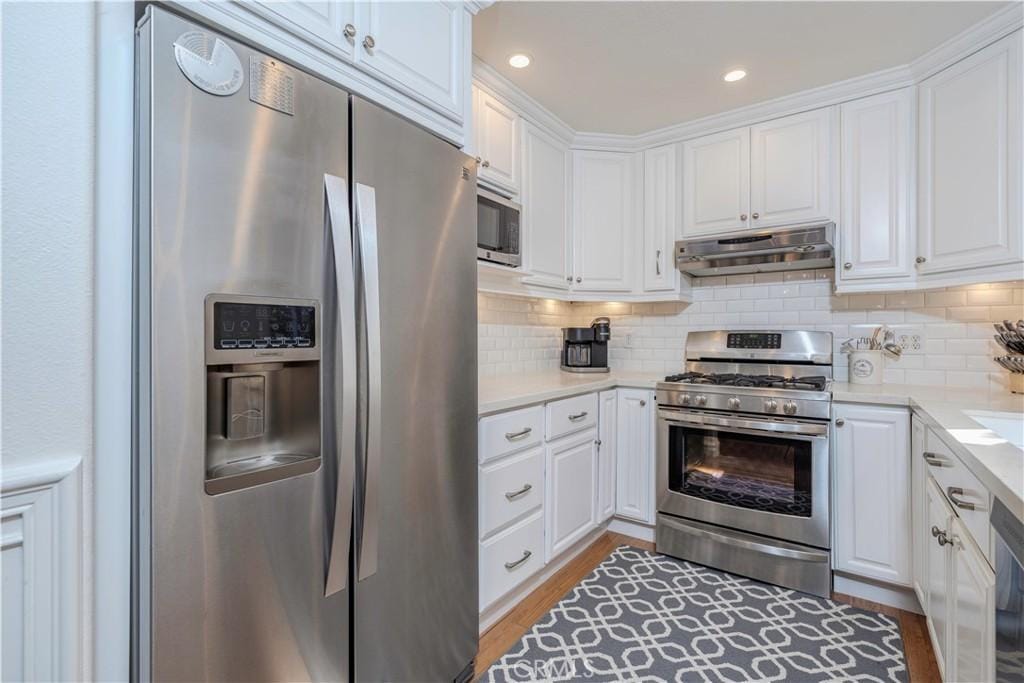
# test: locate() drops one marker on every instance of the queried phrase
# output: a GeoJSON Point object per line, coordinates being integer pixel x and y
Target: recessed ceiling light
{"type": "Point", "coordinates": [519, 60]}
{"type": "Point", "coordinates": [734, 75]}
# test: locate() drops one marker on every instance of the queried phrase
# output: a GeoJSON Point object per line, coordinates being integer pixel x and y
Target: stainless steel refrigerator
{"type": "Point", "coordinates": [305, 465]}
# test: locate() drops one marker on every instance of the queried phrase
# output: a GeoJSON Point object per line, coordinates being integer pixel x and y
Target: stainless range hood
{"type": "Point", "coordinates": [792, 248]}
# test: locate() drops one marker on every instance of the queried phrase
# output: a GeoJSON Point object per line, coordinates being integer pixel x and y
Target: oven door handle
{"type": "Point", "coordinates": [739, 424]}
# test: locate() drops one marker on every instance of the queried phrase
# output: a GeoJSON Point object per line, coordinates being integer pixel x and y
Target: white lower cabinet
{"type": "Point", "coordinates": [936, 607]}
{"type": "Point", "coordinates": [570, 499]}
{"type": "Point", "coordinates": [872, 492]}
{"type": "Point", "coordinates": [972, 627]}
{"type": "Point", "coordinates": [606, 447]}
{"type": "Point", "coordinates": [919, 509]}
{"type": "Point", "coordinates": [511, 557]}
{"type": "Point", "coordinates": [634, 469]}
{"type": "Point", "coordinates": [510, 488]}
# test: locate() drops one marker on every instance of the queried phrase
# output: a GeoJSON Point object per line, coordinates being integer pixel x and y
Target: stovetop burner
{"type": "Point", "coordinates": [812, 383]}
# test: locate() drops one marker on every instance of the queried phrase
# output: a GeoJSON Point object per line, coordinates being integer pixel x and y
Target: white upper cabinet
{"type": "Point", "coordinates": [716, 177]}
{"type": "Point", "coordinates": [875, 236]}
{"type": "Point", "coordinates": [420, 48]}
{"type": "Point", "coordinates": [662, 217]}
{"type": "Point", "coordinates": [333, 23]}
{"type": "Point", "coordinates": [497, 142]}
{"type": "Point", "coordinates": [545, 198]}
{"type": "Point", "coordinates": [970, 161]}
{"type": "Point", "coordinates": [872, 492]}
{"type": "Point", "coordinates": [604, 220]}
{"type": "Point", "coordinates": [792, 166]}
{"type": "Point", "coordinates": [634, 484]}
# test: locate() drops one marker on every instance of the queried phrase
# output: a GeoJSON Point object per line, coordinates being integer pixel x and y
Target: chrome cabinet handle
{"type": "Point", "coordinates": [935, 460]}
{"type": "Point", "coordinates": [920, 259]}
{"type": "Point", "coordinates": [840, 422]}
{"type": "Point", "coordinates": [568, 278]}
{"type": "Point", "coordinates": [579, 279]}
{"type": "Point", "coordinates": [350, 31]}
{"type": "Point", "coordinates": [369, 43]}
{"type": "Point", "coordinates": [515, 436]}
{"type": "Point", "coordinates": [512, 565]}
{"type": "Point", "coordinates": [847, 266]}
{"type": "Point", "coordinates": [577, 417]}
{"type": "Point", "coordinates": [743, 216]}
{"type": "Point", "coordinates": [657, 262]}
{"type": "Point", "coordinates": [366, 229]}
{"type": "Point", "coordinates": [345, 395]}
{"type": "Point", "coordinates": [486, 164]}
{"type": "Point", "coordinates": [756, 215]}
{"type": "Point", "coordinates": [936, 531]}
{"type": "Point", "coordinates": [512, 495]}
{"type": "Point", "coordinates": [953, 492]}
{"type": "Point", "coordinates": [642, 403]}
{"type": "Point", "coordinates": [940, 536]}
{"type": "Point", "coordinates": [479, 160]}
{"type": "Point", "coordinates": [597, 442]}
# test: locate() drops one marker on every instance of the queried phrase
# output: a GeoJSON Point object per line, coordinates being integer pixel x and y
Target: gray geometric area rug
{"type": "Point", "coordinates": [641, 616]}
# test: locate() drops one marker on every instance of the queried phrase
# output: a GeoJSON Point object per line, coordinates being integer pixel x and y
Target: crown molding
{"type": "Point", "coordinates": [985, 32]}
{"type": "Point", "coordinates": [487, 78]}
{"type": "Point", "coordinates": [477, 6]}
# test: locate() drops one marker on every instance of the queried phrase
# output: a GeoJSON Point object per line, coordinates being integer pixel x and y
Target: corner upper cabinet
{"type": "Point", "coordinates": [604, 220]}
{"type": "Point", "coordinates": [970, 162]}
{"type": "Point", "coordinates": [547, 241]}
{"type": "Point", "coordinates": [496, 130]}
{"type": "Point", "coordinates": [875, 233]}
{"type": "Point", "coordinates": [793, 166]}
{"type": "Point", "coordinates": [421, 48]}
{"type": "Point", "coordinates": [662, 217]}
{"type": "Point", "coordinates": [716, 177]}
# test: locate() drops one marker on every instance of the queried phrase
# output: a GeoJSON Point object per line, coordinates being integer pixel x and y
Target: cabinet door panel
{"type": "Point", "coordinates": [608, 432]}
{"type": "Point", "coordinates": [634, 492]}
{"type": "Point", "coordinates": [419, 48]}
{"type": "Point", "coordinates": [497, 136]}
{"type": "Point", "coordinates": [324, 20]}
{"type": "Point", "coordinates": [570, 505]}
{"type": "Point", "coordinates": [716, 177]}
{"type": "Point", "coordinates": [791, 169]}
{"type": "Point", "coordinates": [545, 198]}
{"type": "Point", "coordinates": [661, 217]}
{"type": "Point", "coordinates": [877, 144]}
{"type": "Point", "coordinates": [919, 510]}
{"type": "Point", "coordinates": [872, 501]}
{"type": "Point", "coordinates": [603, 221]}
{"type": "Point", "coordinates": [937, 607]}
{"type": "Point", "coordinates": [970, 161]}
{"type": "Point", "coordinates": [972, 640]}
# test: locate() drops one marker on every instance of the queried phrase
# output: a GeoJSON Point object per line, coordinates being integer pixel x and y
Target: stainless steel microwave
{"type": "Point", "coordinates": [497, 229]}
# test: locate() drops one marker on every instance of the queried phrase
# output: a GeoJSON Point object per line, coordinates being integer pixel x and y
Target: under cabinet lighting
{"type": "Point", "coordinates": [734, 75]}
{"type": "Point", "coordinates": [519, 60]}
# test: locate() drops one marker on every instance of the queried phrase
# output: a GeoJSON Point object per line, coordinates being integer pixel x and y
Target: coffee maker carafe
{"type": "Point", "coordinates": [585, 349]}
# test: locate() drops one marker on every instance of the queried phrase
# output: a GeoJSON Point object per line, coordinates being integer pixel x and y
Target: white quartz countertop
{"type": "Point", "coordinates": [992, 456]}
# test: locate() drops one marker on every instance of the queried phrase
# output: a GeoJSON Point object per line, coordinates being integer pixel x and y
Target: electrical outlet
{"type": "Point", "coordinates": [909, 342]}
{"type": "Point", "coordinates": [629, 340]}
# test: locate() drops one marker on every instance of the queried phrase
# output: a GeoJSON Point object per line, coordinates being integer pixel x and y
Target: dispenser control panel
{"type": "Point", "coordinates": [254, 329]}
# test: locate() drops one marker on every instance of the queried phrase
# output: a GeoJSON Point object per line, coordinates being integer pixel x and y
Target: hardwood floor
{"type": "Point", "coordinates": [504, 634]}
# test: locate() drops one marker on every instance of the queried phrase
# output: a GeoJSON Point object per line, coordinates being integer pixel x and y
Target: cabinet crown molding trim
{"type": "Point", "coordinates": [488, 79]}
{"type": "Point", "coordinates": [974, 38]}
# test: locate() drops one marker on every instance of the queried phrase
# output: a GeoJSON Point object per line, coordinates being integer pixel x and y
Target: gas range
{"type": "Point", "coordinates": [786, 373]}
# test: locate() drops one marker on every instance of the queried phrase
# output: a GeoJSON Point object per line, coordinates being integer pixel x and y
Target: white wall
{"type": "Point", "coordinates": [48, 133]}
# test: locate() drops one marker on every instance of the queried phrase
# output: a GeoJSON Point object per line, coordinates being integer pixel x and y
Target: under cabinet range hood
{"type": "Point", "coordinates": [766, 251]}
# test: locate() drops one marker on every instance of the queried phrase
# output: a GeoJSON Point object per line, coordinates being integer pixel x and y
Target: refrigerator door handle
{"type": "Point", "coordinates": [336, 212]}
{"type": "Point", "coordinates": [366, 226]}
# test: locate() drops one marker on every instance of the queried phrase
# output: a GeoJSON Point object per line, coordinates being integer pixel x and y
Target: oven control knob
{"type": "Point", "coordinates": [685, 400]}
{"type": "Point", "coordinates": [702, 400]}
{"type": "Point", "coordinates": [771, 405]}
{"type": "Point", "coordinates": [734, 403]}
{"type": "Point", "coordinates": [789, 408]}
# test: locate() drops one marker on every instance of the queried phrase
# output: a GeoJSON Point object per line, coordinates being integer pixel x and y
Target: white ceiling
{"type": "Point", "coordinates": [632, 67]}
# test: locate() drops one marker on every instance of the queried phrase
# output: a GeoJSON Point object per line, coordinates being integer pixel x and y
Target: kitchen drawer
{"type": "Point", "coordinates": [510, 432]}
{"type": "Point", "coordinates": [949, 472]}
{"type": "Point", "coordinates": [571, 415]}
{"type": "Point", "coordinates": [510, 488]}
{"type": "Point", "coordinates": [510, 558]}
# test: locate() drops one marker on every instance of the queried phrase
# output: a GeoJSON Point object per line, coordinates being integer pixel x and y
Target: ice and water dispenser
{"type": "Point", "coordinates": [262, 390]}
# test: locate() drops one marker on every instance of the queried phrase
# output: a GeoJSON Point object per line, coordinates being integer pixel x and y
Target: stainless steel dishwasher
{"type": "Point", "coordinates": [1009, 601]}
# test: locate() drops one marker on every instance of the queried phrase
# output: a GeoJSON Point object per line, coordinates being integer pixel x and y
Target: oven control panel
{"type": "Point", "coordinates": [757, 403]}
{"type": "Point", "coordinates": [754, 340]}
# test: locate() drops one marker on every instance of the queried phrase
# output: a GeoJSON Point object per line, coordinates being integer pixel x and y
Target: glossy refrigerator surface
{"type": "Point", "coordinates": [230, 587]}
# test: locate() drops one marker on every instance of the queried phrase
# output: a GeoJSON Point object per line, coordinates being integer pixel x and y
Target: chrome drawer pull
{"type": "Point", "coordinates": [935, 460]}
{"type": "Point", "coordinates": [515, 436]}
{"type": "Point", "coordinates": [953, 492]}
{"type": "Point", "coordinates": [511, 495]}
{"type": "Point", "coordinates": [577, 417]}
{"type": "Point", "coordinates": [940, 536]}
{"type": "Point", "coordinates": [524, 558]}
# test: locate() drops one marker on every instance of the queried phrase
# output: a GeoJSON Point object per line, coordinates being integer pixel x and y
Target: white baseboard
{"type": "Point", "coordinates": [894, 596]}
{"type": "Point", "coordinates": [627, 527]}
{"type": "Point", "coordinates": [42, 549]}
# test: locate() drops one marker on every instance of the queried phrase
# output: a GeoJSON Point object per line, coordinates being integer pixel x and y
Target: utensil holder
{"type": "Point", "coordinates": [866, 367]}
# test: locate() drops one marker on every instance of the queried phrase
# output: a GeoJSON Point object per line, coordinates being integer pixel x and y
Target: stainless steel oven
{"type": "Point", "coordinates": [497, 229]}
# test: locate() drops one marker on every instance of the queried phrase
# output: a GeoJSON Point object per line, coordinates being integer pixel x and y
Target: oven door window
{"type": "Point", "coordinates": [769, 474]}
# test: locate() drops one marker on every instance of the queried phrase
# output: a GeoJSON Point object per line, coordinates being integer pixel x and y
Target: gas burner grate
{"type": "Point", "coordinates": [812, 383]}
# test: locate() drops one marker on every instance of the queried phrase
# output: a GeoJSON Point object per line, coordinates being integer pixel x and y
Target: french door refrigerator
{"type": "Point", "coordinates": [305, 451]}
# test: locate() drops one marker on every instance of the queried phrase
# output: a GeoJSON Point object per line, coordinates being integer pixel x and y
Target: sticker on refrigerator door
{"type": "Point", "coordinates": [271, 85]}
{"type": "Point", "coordinates": [208, 62]}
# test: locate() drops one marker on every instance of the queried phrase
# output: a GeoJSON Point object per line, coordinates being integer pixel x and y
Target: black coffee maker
{"type": "Point", "coordinates": [585, 349]}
